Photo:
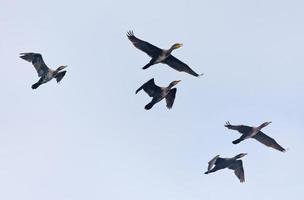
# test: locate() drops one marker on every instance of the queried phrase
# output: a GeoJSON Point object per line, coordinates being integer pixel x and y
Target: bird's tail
{"type": "Point", "coordinates": [237, 141]}
{"type": "Point", "coordinates": [149, 106]}
{"type": "Point", "coordinates": [207, 172]}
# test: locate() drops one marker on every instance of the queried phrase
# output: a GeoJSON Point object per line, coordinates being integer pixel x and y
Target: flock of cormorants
{"type": "Point", "coordinates": [158, 93]}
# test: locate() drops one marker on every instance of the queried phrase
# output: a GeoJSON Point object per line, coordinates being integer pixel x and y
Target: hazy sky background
{"type": "Point", "coordinates": [90, 138]}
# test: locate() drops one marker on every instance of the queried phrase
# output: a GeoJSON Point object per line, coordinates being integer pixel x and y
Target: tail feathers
{"type": "Point", "coordinates": [149, 106]}
{"type": "Point", "coordinates": [207, 172]}
{"type": "Point", "coordinates": [237, 141]}
{"type": "Point", "coordinates": [35, 86]}
{"type": "Point", "coordinates": [60, 75]}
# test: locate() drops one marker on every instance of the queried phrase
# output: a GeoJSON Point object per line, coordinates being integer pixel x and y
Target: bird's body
{"type": "Point", "coordinates": [230, 163]}
{"type": "Point", "coordinates": [159, 93]}
{"type": "Point", "coordinates": [46, 74]}
{"type": "Point", "coordinates": [256, 133]}
{"type": "Point", "coordinates": [159, 55]}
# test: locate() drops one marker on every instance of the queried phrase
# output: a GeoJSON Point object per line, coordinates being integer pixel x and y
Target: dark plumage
{"type": "Point", "coordinates": [46, 74]}
{"type": "Point", "coordinates": [230, 163]}
{"type": "Point", "coordinates": [158, 93]}
{"type": "Point", "coordinates": [256, 133]}
{"type": "Point", "coordinates": [160, 55]}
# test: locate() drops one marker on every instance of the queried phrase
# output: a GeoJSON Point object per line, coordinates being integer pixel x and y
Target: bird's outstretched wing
{"type": "Point", "coordinates": [37, 61]}
{"type": "Point", "coordinates": [238, 170]}
{"type": "Point", "coordinates": [146, 47]}
{"type": "Point", "coordinates": [212, 162]}
{"type": "Point", "coordinates": [179, 65]}
{"type": "Point", "coordinates": [268, 141]}
{"type": "Point", "coordinates": [149, 87]}
{"type": "Point", "coordinates": [240, 128]}
{"type": "Point", "coordinates": [170, 98]}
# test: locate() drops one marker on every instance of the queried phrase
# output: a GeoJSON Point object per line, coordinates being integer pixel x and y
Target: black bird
{"type": "Point", "coordinates": [160, 55]}
{"type": "Point", "coordinates": [230, 163]}
{"type": "Point", "coordinates": [256, 133]}
{"type": "Point", "coordinates": [158, 93]}
{"type": "Point", "coordinates": [46, 74]}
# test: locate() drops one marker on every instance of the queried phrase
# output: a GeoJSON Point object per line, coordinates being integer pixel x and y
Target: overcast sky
{"type": "Point", "coordinates": [90, 137]}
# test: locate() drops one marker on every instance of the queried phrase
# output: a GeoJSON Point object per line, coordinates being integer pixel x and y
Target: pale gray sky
{"type": "Point", "coordinates": [90, 137]}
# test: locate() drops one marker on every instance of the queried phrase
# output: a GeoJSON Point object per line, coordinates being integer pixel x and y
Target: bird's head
{"type": "Point", "coordinates": [173, 83]}
{"type": "Point", "coordinates": [264, 124]}
{"type": "Point", "coordinates": [176, 46]}
{"type": "Point", "coordinates": [61, 68]}
{"type": "Point", "coordinates": [240, 155]}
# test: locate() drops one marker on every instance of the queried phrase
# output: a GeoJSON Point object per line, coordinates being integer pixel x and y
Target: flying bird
{"type": "Point", "coordinates": [46, 74]}
{"type": "Point", "coordinates": [256, 133]}
{"type": "Point", "coordinates": [158, 93]}
{"type": "Point", "coordinates": [161, 55]}
{"type": "Point", "coordinates": [230, 163]}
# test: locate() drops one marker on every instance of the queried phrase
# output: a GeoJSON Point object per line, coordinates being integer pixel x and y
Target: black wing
{"type": "Point", "coordinates": [170, 98]}
{"type": "Point", "coordinates": [149, 87]}
{"type": "Point", "coordinates": [60, 75]}
{"type": "Point", "coordinates": [146, 47]}
{"type": "Point", "coordinates": [268, 141]}
{"type": "Point", "coordinates": [238, 170]}
{"type": "Point", "coordinates": [37, 61]}
{"type": "Point", "coordinates": [179, 65]}
{"type": "Point", "coordinates": [240, 128]}
{"type": "Point", "coordinates": [212, 162]}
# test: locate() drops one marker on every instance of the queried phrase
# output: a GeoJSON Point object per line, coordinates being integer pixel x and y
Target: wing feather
{"type": "Point", "coordinates": [268, 141]}
{"type": "Point", "coordinates": [179, 65]}
{"type": "Point", "coordinates": [212, 162]}
{"type": "Point", "coordinates": [146, 47]}
{"type": "Point", "coordinates": [238, 170]}
{"type": "Point", "coordinates": [37, 60]}
{"type": "Point", "coordinates": [149, 87]}
{"type": "Point", "coordinates": [170, 98]}
{"type": "Point", "coordinates": [240, 128]}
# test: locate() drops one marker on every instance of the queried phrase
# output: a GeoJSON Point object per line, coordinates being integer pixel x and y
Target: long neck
{"type": "Point", "coordinates": [169, 51]}
{"type": "Point", "coordinates": [55, 72]}
{"type": "Point", "coordinates": [237, 156]}
{"type": "Point", "coordinates": [262, 126]}
{"type": "Point", "coordinates": [171, 85]}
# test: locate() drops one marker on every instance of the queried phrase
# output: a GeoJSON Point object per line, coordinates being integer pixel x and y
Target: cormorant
{"type": "Point", "coordinates": [256, 133]}
{"type": "Point", "coordinates": [160, 55]}
{"type": "Point", "coordinates": [158, 93]}
{"type": "Point", "coordinates": [46, 74]}
{"type": "Point", "coordinates": [230, 163]}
